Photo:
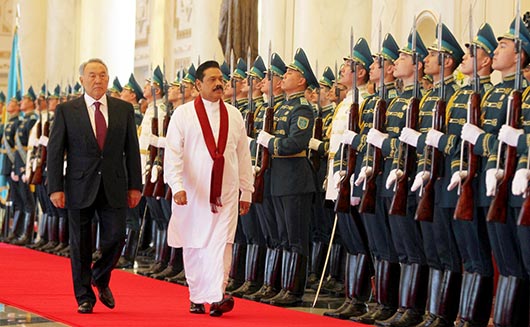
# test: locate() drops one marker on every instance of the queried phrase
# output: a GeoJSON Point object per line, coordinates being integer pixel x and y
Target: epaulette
{"type": "Point", "coordinates": [486, 96]}
{"type": "Point", "coordinates": [303, 101]}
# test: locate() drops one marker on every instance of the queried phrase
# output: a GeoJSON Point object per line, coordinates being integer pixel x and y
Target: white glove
{"type": "Point", "coordinates": [376, 138]}
{"type": "Point", "coordinates": [14, 177]}
{"type": "Point", "coordinates": [510, 135]}
{"type": "Point", "coordinates": [314, 144]}
{"type": "Point", "coordinates": [249, 139]}
{"type": "Point", "coordinates": [520, 181]}
{"type": "Point", "coordinates": [409, 136]}
{"type": "Point", "coordinates": [43, 140]}
{"type": "Point", "coordinates": [492, 177]}
{"type": "Point", "coordinates": [24, 178]}
{"type": "Point", "coordinates": [470, 133]}
{"type": "Point", "coordinates": [264, 138]}
{"type": "Point", "coordinates": [365, 172]}
{"type": "Point", "coordinates": [347, 137]}
{"type": "Point", "coordinates": [354, 201]}
{"type": "Point", "coordinates": [420, 178]}
{"type": "Point", "coordinates": [392, 177]}
{"type": "Point", "coordinates": [256, 170]}
{"type": "Point", "coordinates": [153, 140]}
{"type": "Point", "coordinates": [161, 142]}
{"type": "Point", "coordinates": [433, 138]}
{"type": "Point", "coordinates": [337, 178]}
{"type": "Point", "coordinates": [456, 179]}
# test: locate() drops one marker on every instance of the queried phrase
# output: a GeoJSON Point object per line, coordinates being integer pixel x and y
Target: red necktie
{"type": "Point", "coordinates": [101, 125]}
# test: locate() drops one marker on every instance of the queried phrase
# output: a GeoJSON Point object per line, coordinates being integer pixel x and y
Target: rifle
{"type": "Point", "coordinates": [425, 210]}
{"type": "Point", "coordinates": [149, 186]}
{"type": "Point", "coordinates": [34, 155]}
{"type": "Point", "coordinates": [268, 121]}
{"type": "Point", "coordinates": [317, 131]}
{"type": "Point", "coordinates": [465, 204]}
{"type": "Point", "coordinates": [182, 90]}
{"type": "Point", "coordinates": [343, 197]}
{"type": "Point", "coordinates": [370, 186]}
{"type": "Point", "coordinates": [160, 186]}
{"type": "Point", "coordinates": [401, 188]}
{"type": "Point", "coordinates": [498, 207]}
{"type": "Point", "coordinates": [41, 152]}
{"type": "Point", "coordinates": [249, 117]}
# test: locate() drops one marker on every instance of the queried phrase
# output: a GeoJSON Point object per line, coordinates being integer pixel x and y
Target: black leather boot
{"type": "Point", "coordinates": [511, 303]}
{"type": "Point", "coordinates": [179, 278]}
{"type": "Point", "coordinates": [463, 312]}
{"type": "Point", "coordinates": [16, 228]}
{"type": "Point", "coordinates": [448, 298]}
{"type": "Point", "coordinates": [316, 264]}
{"type": "Point", "coordinates": [128, 253]}
{"type": "Point", "coordinates": [349, 278]}
{"type": "Point", "coordinates": [8, 213]}
{"type": "Point", "coordinates": [159, 264]}
{"type": "Point", "coordinates": [236, 276]}
{"type": "Point", "coordinates": [42, 231]}
{"type": "Point", "coordinates": [28, 226]}
{"type": "Point", "coordinates": [433, 298]}
{"type": "Point", "coordinates": [387, 288]}
{"type": "Point", "coordinates": [271, 276]}
{"type": "Point", "coordinates": [254, 268]}
{"type": "Point", "coordinates": [477, 301]}
{"type": "Point", "coordinates": [64, 236]}
{"type": "Point", "coordinates": [285, 259]}
{"type": "Point", "coordinates": [53, 233]}
{"type": "Point", "coordinates": [295, 281]}
{"type": "Point", "coordinates": [332, 284]}
{"type": "Point", "coordinates": [412, 296]}
{"type": "Point", "coordinates": [174, 265]}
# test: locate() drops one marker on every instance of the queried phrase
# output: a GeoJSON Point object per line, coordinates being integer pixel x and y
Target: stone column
{"type": "Point", "coordinates": [205, 22]}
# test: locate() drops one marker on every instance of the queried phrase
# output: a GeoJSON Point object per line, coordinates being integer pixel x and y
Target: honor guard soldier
{"type": "Point", "coordinates": [265, 210]}
{"type": "Point", "coordinates": [406, 233]}
{"type": "Point", "coordinates": [189, 92]}
{"type": "Point", "coordinates": [292, 187]}
{"type": "Point", "coordinates": [13, 209]}
{"type": "Point", "coordinates": [511, 303]}
{"type": "Point", "coordinates": [322, 216]}
{"type": "Point", "coordinates": [225, 70]}
{"type": "Point", "coordinates": [470, 233]}
{"type": "Point", "coordinates": [133, 93]}
{"type": "Point", "coordinates": [27, 106]}
{"type": "Point", "coordinates": [377, 221]}
{"type": "Point", "coordinates": [76, 91]}
{"type": "Point", "coordinates": [236, 276]}
{"type": "Point", "coordinates": [153, 92]}
{"type": "Point", "coordinates": [115, 89]}
{"type": "Point", "coordinates": [358, 271]}
{"type": "Point", "coordinates": [440, 246]}
{"type": "Point", "coordinates": [252, 230]}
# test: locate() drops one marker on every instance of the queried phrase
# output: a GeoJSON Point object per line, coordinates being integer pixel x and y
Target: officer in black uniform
{"type": "Point", "coordinates": [511, 307]}
{"type": "Point", "coordinates": [265, 210]}
{"type": "Point", "coordinates": [292, 185]}
{"type": "Point", "coordinates": [440, 246]}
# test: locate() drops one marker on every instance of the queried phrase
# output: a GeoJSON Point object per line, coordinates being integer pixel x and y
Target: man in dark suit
{"type": "Point", "coordinates": [98, 135]}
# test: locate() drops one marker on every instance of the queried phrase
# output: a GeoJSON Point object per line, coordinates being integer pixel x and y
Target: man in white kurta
{"type": "Point", "coordinates": [206, 237]}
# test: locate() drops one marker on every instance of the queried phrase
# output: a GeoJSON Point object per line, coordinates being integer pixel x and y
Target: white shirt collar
{"type": "Point", "coordinates": [90, 101]}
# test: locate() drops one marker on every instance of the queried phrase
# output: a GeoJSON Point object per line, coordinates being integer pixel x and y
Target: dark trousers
{"type": "Point", "coordinates": [321, 219]}
{"type": "Point", "coordinates": [251, 228]}
{"type": "Point", "coordinates": [352, 232]}
{"type": "Point", "coordinates": [267, 220]}
{"type": "Point", "coordinates": [406, 234]}
{"type": "Point", "coordinates": [112, 238]}
{"type": "Point", "coordinates": [292, 216]}
{"type": "Point", "coordinates": [378, 229]}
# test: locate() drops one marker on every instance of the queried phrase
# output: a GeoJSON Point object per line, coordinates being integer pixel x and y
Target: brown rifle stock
{"type": "Point", "coordinates": [259, 179]}
{"type": "Point", "coordinates": [425, 210]}
{"type": "Point", "coordinates": [35, 151]}
{"type": "Point", "coordinates": [343, 197]}
{"type": "Point", "coordinates": [498, 207]}
{"type": "Point", "coordinates": [149, 187]}
{"type": "Point", "coordinates": [464, 206]}
{"type": "Point", "coordinates": [369, 196]}
{"type": "Point", "coordinates": [36, 178]}
{"type": "Point", "coordinates": [398, 206]}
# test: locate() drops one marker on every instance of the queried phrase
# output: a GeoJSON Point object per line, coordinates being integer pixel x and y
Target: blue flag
{"type": "Point", "coordinates": [14, 81]}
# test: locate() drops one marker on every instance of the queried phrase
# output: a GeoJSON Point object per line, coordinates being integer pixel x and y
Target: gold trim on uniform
{"type": "Point", "coordinates": [296, 155]}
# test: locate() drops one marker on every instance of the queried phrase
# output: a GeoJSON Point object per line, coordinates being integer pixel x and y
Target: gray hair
{"type": "Point", "coordinates": [83, 65]}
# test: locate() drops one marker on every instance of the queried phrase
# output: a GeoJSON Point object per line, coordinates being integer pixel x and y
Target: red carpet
{"type": "Point", "coordinates": [41, 283]}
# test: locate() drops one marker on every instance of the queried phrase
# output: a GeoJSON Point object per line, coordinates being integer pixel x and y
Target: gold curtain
{"type": "Point", "coordinates": [238, 28]}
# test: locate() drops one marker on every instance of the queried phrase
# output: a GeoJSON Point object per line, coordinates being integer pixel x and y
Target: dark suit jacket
{"type": "Point", "coordinates": [117, 166]}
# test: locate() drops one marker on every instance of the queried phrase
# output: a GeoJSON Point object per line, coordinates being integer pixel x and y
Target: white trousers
{"type": "Point", "coordinates": [207, 270]}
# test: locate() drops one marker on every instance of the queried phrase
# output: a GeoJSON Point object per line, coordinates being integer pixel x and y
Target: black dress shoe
{"type": "Point", "coordinates": [105, 296]}
{"type": "Point", "coordinates": [85, 307]}
{"type": "Point", "coordinates": [197, 308]}
{"type": "Point", "coordinates": [225, 305]}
